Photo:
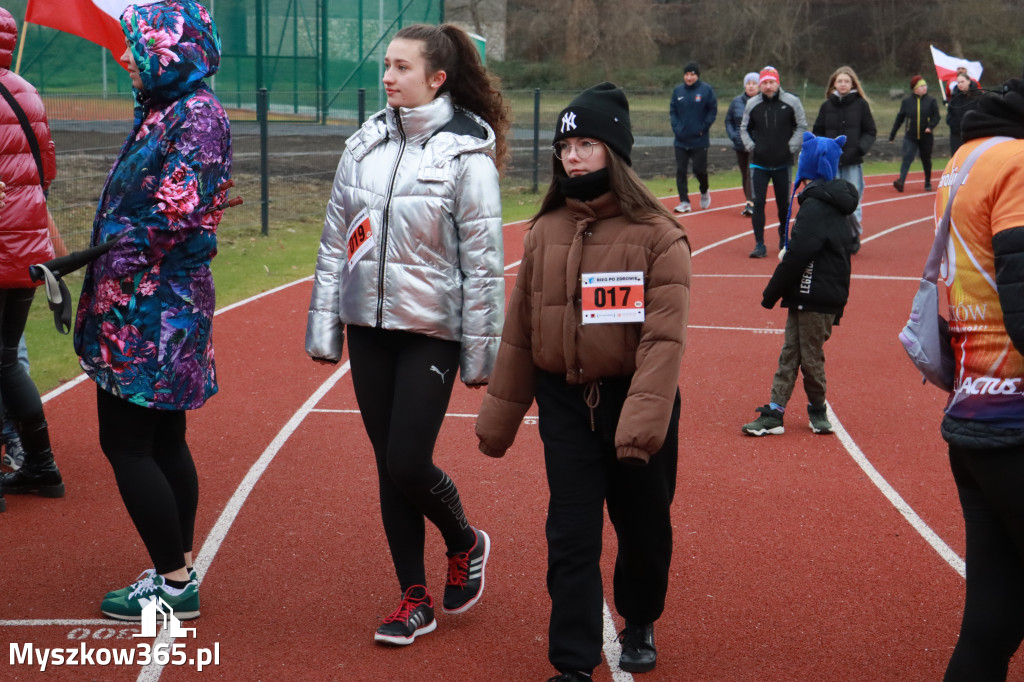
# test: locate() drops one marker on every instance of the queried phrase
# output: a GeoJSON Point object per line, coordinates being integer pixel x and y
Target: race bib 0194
{"type": "Point", "coordinates": [359, 237]}
{"type": "Point", "coordinates": [613, 297]}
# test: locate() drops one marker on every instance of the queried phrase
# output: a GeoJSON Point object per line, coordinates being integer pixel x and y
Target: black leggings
{"type": "Point", "coordinates": [989, 483]}
{"type": "Point", "coordinates": [403, 382]}
{"type": "Point", "coordinates": [20, 397]}
{"type": "Point", "coordinates": [155, 475]}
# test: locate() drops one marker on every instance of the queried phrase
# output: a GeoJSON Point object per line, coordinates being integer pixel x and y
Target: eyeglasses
{"type": "Point", "coordinates": [584, 149]}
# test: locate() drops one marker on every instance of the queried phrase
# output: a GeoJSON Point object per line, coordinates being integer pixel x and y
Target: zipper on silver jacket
{"type": "Point", "coordinates": [385, 221]}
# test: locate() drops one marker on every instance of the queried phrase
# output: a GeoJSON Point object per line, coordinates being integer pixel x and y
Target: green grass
{"type": "Point", "coordinates": [248, 263]}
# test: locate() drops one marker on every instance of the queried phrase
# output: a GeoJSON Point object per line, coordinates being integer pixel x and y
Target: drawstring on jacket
{"type": "Point", "coordinates": [592, 396]}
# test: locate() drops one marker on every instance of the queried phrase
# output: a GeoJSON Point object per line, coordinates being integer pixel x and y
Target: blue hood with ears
{"type": "Point", "coordinates": [819, 158]}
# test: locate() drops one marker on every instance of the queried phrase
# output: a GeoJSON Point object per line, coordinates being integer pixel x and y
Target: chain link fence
{"type": "Point", "coordinates": [285, 159]}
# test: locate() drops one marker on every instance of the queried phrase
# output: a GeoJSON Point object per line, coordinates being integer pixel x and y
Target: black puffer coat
{"type": "Point", "coordinates": [848, 115]}
{"type": "Point", "coordinates": [814, 274]}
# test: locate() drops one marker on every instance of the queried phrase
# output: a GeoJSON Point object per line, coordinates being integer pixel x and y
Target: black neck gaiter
{"type": "Point", "coordinates": [586, 187]}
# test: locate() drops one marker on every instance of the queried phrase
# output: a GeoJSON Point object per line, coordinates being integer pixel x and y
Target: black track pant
{"type": "Point", "coordinates": [759, 179]}
{"type": "Point", "coordinates": [403, 382]}
{"type": "Point", "coordinates": [583, 475]}
{"type": "Point", "coordinates": [155, 475]}
{"type": "Point", "coordinates": [20, 395]}
{"type": "Point", "coordinates": [699, 159]}
{"type": "Point", "coordinates": [989, 483]}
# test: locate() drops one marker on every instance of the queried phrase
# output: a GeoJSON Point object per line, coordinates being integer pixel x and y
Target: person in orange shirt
{"type": "Point", "coordinates": [984, 416]}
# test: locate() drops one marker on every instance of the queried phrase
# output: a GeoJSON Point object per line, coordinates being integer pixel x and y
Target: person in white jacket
{"type": "Point", "coordinates": [411, 262]}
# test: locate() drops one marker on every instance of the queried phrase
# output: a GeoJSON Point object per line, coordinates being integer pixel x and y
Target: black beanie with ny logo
{"type": "Point", "coordinates": [601, 113]}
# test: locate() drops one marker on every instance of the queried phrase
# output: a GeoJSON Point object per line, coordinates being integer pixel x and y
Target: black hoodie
{"type": "Point", "coordinates": [814, 273]}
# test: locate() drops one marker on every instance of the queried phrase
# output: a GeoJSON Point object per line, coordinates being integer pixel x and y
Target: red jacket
{"type": "Point", "coordinates": [24, 238]}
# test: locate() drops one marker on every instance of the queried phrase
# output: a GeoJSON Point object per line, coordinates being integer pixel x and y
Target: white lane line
{"type": "Point", "coordinates": [756, 330]}
{"type": "Point", "coordinates": [528, 419]}
{"type": "Point", "coordinates": [68, 385]}
{"type": "Point", "coordinates": [213, 542]}
{"type": "Point", "coordinates": [612, 648]}
{"type": "Point", "coordinates": [890, 493]}
{"type": "Point", "coordinates": [922, 528]}
{"type": "Point", "coordinates": [894, 278]}
{"type": "Point", "coordinates": [35, 622]}
{"type": "Point", "coordinates": [929, 219]}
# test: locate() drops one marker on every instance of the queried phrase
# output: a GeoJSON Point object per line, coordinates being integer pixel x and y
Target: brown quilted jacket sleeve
{"type": "Point", "coordinates": [643, 422]}
{"type": "Point", "coordinates": [510, 390]}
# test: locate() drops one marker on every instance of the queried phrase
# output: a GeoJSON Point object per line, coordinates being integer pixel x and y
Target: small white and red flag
{"type": "Point", "coordinates": [946, 68]}
{"type": "Point", "coordinates": [94, 20]}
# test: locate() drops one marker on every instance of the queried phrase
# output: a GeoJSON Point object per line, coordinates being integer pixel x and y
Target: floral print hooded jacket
{"type": "Point", "coordinates": [143, 329]}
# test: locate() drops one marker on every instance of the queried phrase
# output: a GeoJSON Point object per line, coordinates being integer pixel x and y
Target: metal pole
{"type": "Point", "coordinates": [380, 55]}
{"type": "Point", "coordinates": [262, 113]}
{"type": "Point", "coordinates": [362, 106]}
{"type": "Point", "coordinates": [295, 59]}
{"type": "Point", "coordinates": [324, 57]}
{"type": "Point", "coordinates": [259, 44]}
{"type": "Point", "coordinates": [536, 138]}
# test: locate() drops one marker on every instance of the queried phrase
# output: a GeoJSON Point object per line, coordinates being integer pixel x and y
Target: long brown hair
{"type": "Point", "coordinates": [853, 77]}
{"type": "Point", "coordinates": [448, 48]}
{"type": "Point", "coordinates": [637, 202]}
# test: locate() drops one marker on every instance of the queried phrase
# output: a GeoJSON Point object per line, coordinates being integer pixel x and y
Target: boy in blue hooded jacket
{"type": "Point", "coordinates": [813, 281]}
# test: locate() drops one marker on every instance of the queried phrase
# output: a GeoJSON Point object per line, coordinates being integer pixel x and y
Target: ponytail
{"type": "Point", "coordinates": [448, 48]}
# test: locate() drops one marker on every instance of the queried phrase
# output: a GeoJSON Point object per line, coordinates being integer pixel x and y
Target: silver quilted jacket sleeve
{"type": "Point", "coordinates": [324, 328]}
{"type": "Point", "coordinates": [481, 254]}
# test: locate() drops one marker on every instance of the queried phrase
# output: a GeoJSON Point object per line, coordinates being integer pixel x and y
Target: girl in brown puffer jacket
{"type": "Point", "coordinates": [595, 331]}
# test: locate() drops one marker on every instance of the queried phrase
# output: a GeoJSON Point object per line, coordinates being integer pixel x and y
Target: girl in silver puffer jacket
{"type": "Point", "coordinates": [411, 261]}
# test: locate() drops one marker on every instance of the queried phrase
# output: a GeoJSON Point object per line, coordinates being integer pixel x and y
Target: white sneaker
{"type": "Point", "coordinates": [705, 199]}
{"type": "Point", "coordinates": [683, 207]}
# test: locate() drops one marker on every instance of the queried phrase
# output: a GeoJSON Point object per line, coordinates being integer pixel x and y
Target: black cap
{"type": "Point", "coordinates": [600, 112]}
{"type": "Point", "coordinates": [692, 67]}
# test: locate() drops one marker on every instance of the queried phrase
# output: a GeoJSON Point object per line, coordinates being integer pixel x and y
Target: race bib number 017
{"type": "Point", "coordinates": [613, 297]}
{"type": "Point", "coordinates": [359, 237]}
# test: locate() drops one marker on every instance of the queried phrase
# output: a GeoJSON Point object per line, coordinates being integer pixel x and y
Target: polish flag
{"type": "Point", "coordinates": [945, 67]}
{"type": "Point", "coordinates": [94, 20]}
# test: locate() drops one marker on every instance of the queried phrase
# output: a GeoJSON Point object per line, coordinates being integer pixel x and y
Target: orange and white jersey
{"type": "Point", "coordinates": [989, 383]}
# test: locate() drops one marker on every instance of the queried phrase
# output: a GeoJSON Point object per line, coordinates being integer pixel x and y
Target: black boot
{"type": "Point", "coordinates": [39, 474]}
{"type": "Point", "coordinates": [638, 652]}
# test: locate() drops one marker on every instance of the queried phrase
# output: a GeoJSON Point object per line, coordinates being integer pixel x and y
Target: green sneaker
{"type": "Point", "coordinates": [819, 419]}
{"type": "Point", "coordinates": [129, 606]}
{"type": "Point", "coordinates": [148, 573]}
{"type": "Point", "coordinates": [770, 422]}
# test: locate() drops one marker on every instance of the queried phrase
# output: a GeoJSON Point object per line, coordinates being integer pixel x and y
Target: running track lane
{"type": "Point", "coordinates": [789, 564]}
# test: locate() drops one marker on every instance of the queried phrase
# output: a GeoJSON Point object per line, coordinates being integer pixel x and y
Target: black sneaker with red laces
{"type": "Point", "coordinates": [465, 581]}
{"type": "Point", "coordinates": [414, 617]}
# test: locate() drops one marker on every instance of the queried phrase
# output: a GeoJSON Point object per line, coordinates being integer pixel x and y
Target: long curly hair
{"type": "Point", "coordinates": [448, 48]}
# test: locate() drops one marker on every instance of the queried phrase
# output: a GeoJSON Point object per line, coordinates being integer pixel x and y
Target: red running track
{"type": "Point", "coordinates": [798, 557]}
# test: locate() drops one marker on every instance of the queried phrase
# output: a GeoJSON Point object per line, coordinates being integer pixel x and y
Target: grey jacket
{"type": "Point", "coordinates": [427, 182]}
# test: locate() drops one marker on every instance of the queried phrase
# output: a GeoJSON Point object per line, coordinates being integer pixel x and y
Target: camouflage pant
{"type": "Point", "coordinates": [804, 350]}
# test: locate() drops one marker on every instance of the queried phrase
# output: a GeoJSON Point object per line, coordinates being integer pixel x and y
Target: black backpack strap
{"type": "Point", "coordinates": [33, 142]}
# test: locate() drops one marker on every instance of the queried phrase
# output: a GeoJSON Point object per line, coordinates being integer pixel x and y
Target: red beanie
{"type": "Point", "coordinates": [768, 73]}
{"type": "Point", "coordinates": [915, 79]}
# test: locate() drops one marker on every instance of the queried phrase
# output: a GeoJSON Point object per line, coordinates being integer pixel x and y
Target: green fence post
{"type": "Point", "coordinates": [262, 113]}
{"type": "Point", "coordinates": [362, 106]}
{"type": "Point", "coordinates": [536, 138]}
